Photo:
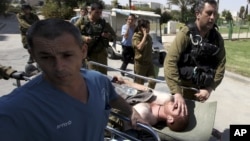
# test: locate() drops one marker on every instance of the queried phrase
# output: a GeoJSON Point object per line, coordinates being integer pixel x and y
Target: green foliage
{"type": "Point", "coordinates": [175, 15]}
{"type": "Point", "coordinates": [12, 9]}
{"type": "Point", "coordinates": [165, 17]}
{"type": "Point", "coordinates": [4, 4]}
{"type": "Point", "coordinates": [53, 9]}
{"type": "Point", "coordinates": [185, 6]}
{"type": "Point", "coordinates": [227, 15]}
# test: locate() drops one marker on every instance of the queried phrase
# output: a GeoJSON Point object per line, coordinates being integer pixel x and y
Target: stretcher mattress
{"type": "Point", "coordinates": [201, 123]}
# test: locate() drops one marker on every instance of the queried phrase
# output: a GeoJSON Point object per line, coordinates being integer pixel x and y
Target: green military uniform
{"type": "Point", "coordinates": [178, 47]}
{"type": "Point", "coordinates": [24, 23]}
{"type": "Point", "coordinates": [5, 72]}
{"type": "Point", "coordinates": [143, 64]}
{"type": "Point", "coordinates": [97, 47]}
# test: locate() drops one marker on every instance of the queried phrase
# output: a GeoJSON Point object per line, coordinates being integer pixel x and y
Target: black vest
{"type": "Point", "coordinates": [199, 60]}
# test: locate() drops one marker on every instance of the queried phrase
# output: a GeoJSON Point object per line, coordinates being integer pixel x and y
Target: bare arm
{"type": "Point", "coordinates": [120, 104]}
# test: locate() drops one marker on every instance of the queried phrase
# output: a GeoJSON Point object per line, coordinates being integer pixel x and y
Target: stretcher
{"type": "Point", "coordinates": [201, 120]}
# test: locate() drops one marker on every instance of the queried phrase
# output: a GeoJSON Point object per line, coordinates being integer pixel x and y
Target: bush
{"type": "Point", "coordinates": [53, 10]}
{"type": "Point", "coordinates": [13, 9]}
{"type": "Point", "coordinates": [4, 4]}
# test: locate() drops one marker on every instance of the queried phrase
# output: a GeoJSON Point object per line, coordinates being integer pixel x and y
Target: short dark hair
{"type": "Point", "coordinates": [97, 5]}
{"type": "Point", "coordinates": [132, 15]}
{"type": "Point", "coordinates": [201, 3]}
{"type": "Point", "coordinates": [26, 6]}
{"type": "Point", "coordinates": [52, 28]}
{"type": "Point", "coordinates": [179, 124]}
{"type": "Point", "coordinates": [141, 23]}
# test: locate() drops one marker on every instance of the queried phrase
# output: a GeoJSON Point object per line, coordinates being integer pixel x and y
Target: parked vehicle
{"type": "Point", "coordinates": [117, 17]}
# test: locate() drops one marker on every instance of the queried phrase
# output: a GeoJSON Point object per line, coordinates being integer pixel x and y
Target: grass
{"type": "Point", "coordinates": [236, 29]}
{"type": "Point", "coordinates": [238, 56]}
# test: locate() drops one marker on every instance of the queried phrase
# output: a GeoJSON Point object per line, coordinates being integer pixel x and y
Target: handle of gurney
{"type": "Point", "coordinates": [143, 126]}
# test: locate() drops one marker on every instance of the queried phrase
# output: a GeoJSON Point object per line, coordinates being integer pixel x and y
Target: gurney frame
{"type": "Point", "coordinates": [201, 115]}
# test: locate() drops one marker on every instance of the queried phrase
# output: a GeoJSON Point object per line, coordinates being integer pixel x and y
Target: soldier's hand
{"type": "Point", "coordinates": [20, 75]}
{"type": "Point", "coordinates": [203, 95]}
{"type": "Point", "coordinates": [87, 39]}
{"type": "Point", "coordinates": [106, 35]}
{"type": "Point", "coordinates": [180, 105]}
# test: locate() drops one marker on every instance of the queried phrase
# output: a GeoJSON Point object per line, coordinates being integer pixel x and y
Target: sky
{"type": "Point", "coordinates": [232, 5]}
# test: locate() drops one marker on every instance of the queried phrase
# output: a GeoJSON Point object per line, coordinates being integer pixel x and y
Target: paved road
{"type": "Point", "coordinates": [232, 95]}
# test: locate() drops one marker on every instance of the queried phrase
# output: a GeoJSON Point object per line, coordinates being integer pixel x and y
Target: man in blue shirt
{"type": "Point", "coordinates": [64, 102]}
{"type": "Point", "coordinates": [127, 34]}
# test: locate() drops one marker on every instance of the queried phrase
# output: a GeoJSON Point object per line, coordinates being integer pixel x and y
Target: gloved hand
{"type": "Point", "coordinates": [18, 75]}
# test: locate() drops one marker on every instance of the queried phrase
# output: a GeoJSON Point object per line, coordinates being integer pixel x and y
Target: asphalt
{"type": "Point", "coordinates": [232, 96]}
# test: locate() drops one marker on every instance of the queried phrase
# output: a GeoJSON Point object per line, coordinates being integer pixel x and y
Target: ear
{"type": "Point", "coordinates": [170, 119]}
{"type": "Point", "coordinates": [197, 14]}
{"type": "Point", "coordinates": [84, 50]}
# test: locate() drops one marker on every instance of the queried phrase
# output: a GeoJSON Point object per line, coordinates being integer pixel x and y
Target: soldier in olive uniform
{"type": "Point", "coordinates": [26, 18]}
{"type": "Point", "coordinates": [96, 33]}
{"type": "Point", "coordinates": [142, 44]}
{"type": "Point", "coordinates": [196, 58]}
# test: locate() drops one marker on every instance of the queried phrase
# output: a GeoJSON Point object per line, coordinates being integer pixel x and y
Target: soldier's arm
{"type": "Point", "coordinates": [220, 71]}
{"type": "Point", "coordinates": [22, 22]}
{"type": "Point", "coordinates": [6, 71]}
{"type": "Point", "coordinates": [111, 31]}
{"type": "Point", "coordinates": [80, 25]}
{"type": "Point", "coordinates": [170, 64]}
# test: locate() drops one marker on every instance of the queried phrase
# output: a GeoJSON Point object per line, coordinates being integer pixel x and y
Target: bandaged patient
{"type": "Point", "coordinates": [153, 106]}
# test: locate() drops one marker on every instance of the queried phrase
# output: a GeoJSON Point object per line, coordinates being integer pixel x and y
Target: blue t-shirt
{"type": "Point", "coordinates": [127, 41]}
{"type": "Point", "coordinates": [38, 111]}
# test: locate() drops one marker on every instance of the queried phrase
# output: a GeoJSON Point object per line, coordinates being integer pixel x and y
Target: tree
{"type": "Point", "coordinates": [242, 9]}
{"type": "Point", "coordinates": [165, 16]}
{"type": "Point", "coordinates": [63, 8]}
{"type": "Point", "coordinates": [4, 4]}
{"type": "Point", "coordinates": [227, 15]}
{"type": "Point", "coordinates": [184, 6]}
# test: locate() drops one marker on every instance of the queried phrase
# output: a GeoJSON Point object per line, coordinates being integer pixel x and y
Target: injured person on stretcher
{"type": "Point", "coordinates": [153, 106]}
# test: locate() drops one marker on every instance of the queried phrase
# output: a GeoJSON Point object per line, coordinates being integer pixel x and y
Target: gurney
{"type": "Point", "coordinates": [201, 120]}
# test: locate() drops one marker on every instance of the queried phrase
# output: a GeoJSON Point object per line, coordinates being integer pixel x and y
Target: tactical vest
{"type": "Point", "coordinates": [199, 61]}
{"type": "Point", "coordinates": [94, 31]}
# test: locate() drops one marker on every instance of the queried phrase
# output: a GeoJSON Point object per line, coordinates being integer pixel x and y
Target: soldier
{"type": "Point", "coordinates": [196, 58]}
{"type": "Point", "coordinates": [26, 18]}
{"type": "Point", "coordinates": [97, 33]}
{"type": "Point", "coordinates": [142, 44]}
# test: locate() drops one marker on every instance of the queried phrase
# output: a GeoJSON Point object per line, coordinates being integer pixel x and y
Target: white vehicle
{"type": "Point", "coordinates": [117, 17]}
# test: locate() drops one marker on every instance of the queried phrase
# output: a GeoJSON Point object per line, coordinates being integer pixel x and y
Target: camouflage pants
{"type": "Point", "coordinates": [146, 70]}
{"type": "Point", "coordinates": [100, 57]}
{"type": "Point", "coordinates": [24, 41]}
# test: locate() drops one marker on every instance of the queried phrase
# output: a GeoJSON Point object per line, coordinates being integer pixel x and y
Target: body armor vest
{"type": "Point", "coordinates": [198, 62]}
